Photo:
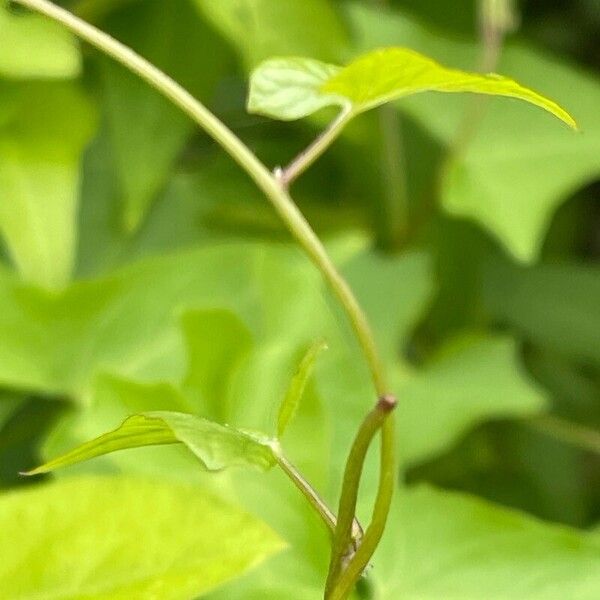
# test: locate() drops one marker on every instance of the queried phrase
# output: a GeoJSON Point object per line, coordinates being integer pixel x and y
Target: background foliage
{"type": "Point", "coordinates": [140, 271]}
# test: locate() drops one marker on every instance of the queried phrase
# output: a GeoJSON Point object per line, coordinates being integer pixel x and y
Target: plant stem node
{"type": "Point", "coordinates": [387, 403]}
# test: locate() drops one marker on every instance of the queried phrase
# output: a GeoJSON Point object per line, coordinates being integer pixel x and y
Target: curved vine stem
{"type": "Point", "coordinates": [277, 193]}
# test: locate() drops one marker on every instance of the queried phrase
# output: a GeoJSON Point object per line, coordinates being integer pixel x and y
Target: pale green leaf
{"type": "Point", "coordinates": [260, 29]}
{"type": "Point", "coordinates": [40, 150]}
{"type": "Point", "coordinates": [452, 546]}
{"type": "Point", "coordinates": [394, 291]}
{"type": "Point", "coordinates": [472, 380]}
{"type": "Point", "coordinates": [216, 446]}
{"type": "Point", "coordinates": [293, 88]}
{"type": "Point", "coordinates": [118, 539]}
{"type": "Point", "coordinates": [289, 405]}
{"type": "Point", "coordinates": [456, 547]}
{"type": "Point", "coordinates": [126, 323]}
{"type": "Point", "coordinates": [35, 48]}
{"type": "Point", "coordinates": [138, 114]}
{"type": "Point", "coordinates": [217, 343]}
{"type": "Point", "coordinates": [520, 167]}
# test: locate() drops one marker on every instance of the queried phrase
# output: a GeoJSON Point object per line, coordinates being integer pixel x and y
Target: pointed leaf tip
{"type": "Point", "coordinates": [292, 88]}
{"type": "Point", "coordinates": [291, 402]}
{"type": "Point", "coordinates": [217, 447]}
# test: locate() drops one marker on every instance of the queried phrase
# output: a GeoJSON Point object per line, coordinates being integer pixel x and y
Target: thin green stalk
{"type": "Point", "coordinates": [341, 579]}
{"type": "Point", "coordinates": [272, 187]}
{"type": "Point", "coordinates": [309, 492]}
{"type": "Point", "coordinates": [309, 156]}
{"type": "Point", "coordinates": [395, 197]}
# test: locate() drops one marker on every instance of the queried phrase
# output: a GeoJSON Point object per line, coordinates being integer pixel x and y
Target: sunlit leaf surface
{"type": "Point", "coordinates": [120, 538]}
{"type": "Point", "coordinates": [293, 88]}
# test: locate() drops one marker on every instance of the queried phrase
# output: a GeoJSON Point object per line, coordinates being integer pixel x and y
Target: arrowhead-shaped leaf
{"type": "Point", "coordinates": [121, 538]}
{"type": "Point", "coordinates": [519, 168]}
{"type": "Point", "coordinates": [292, 88]}
{"type": "Point", "coordinates": [217, 447]}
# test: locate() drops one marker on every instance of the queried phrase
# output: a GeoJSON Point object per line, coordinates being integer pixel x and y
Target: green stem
{"type": "Point", "coordinates": [272, 187]}
{"type": "Point", "coordinates": [360, 560]}
{"type": "Point", "coordinates": [309, 156]}
{"type": "Point", "coordinates": [343, 550]}
{"type": "Point", "coordinates": [396, 211]}
{"type": "Point", "coordinates": [309, 492]}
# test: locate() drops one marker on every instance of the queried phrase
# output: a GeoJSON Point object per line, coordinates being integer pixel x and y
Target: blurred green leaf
{"type": "Point", "coordinates": [520, 166]}
{"type": "Point", "coordinates": [289, 405]}
{"type": "Point", "coordinates": [260, 29]}
{"type": "Point", "coordinates": [138, 116]}
{"type": "Point", "coordinates": [120, 538]}
{"type": "Point", "coordinates": [470, 381]}
{"type": "Point", "coordinates": [40, 149]}
{"type": "Point", "coordinates": [126, 323]}
{"type": "Point", "coordinates": [217, 341]}
{"type": "Point", "coordinates": [395, 291]}
{"type": "Point", "coordinates": [35, 48]}
{"type": "Point", "coordinates": [294, 88]}
{"type": "Point", "coordinates": [555, 306]}
{"type": "Point", "coordinates": [447, 545]}
{"type": "Point", "coordinates": [217, 447]}
{"type": "Point", "coordinates": [9, 403]}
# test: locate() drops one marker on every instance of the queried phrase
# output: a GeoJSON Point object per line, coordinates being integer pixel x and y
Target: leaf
{"type": "Point", "coordinates": [126, 323]}
{"type": "Point", "coordinates": [217, 447]}
{"type": "Point", "coordinates": [294, 88]}
{"type": "Point", "coordinates": [9, 403]}
{"type": "Point", "coordinates": [260, 28]}
{"type": "Point", "coordinates": [519, 167]}
{"type": "Point", "coordinates": [448, 545]}
{"type": "Point", "coordinates": [119, 538]}
{"type": "Point", "coordinates": [41, 146]}
{"type": "Point", "coordinates": [441, 544]}
{"type": "Point", "coordinates": [35, 48]}
{"type": "Point", "coordinates": [291, 88]}
{"type": "Point", "coordinates": [289, 405]}
{"type": "Point", "coordinates": [555, 306]}
{"type": "Point", "coordinates": [472, 380]}
{"type": "Point", "coordinates": [217, 342]}
{"type": "Point", "coordinates": [394, 291]}
{"type": "Point", "coordinates": [138, 114]}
